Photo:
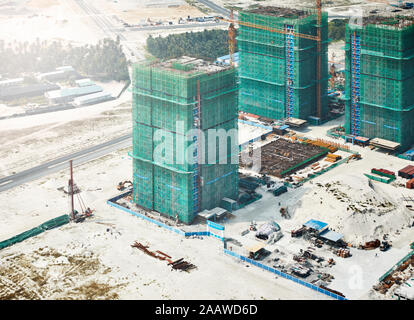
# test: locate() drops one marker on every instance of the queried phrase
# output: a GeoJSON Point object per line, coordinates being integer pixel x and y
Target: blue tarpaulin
{"type": "Point", "coordinates": [315, 224]}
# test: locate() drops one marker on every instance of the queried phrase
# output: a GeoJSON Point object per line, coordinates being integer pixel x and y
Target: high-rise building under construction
{"type": "Point", "coordinates": [279, 70]}
{"type": "Point", "coordinates": [177, 104]}
{"type": "Point", "coordinates": [379, 80]}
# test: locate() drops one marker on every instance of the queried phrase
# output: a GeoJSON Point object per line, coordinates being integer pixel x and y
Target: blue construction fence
{"type": "Point", "coordinates": [112, 202]}
{"type": "Point", "coordinates": [284, 275]}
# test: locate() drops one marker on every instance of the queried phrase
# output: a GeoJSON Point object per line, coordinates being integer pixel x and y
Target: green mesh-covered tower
{"type": "Point", "coordinates": [170, 100]}
{"type": "Point", "coordinates": [278, 72]}
{"type": "Point", "coordinates": [379, 80]}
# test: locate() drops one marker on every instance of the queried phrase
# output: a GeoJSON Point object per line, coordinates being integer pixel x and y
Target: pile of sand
{"type": "Point", "coordinates": [354, 207]}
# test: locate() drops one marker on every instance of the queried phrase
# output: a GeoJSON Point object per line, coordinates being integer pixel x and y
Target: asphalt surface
{"type": "Point", "coordinates": [216, 8]}
{"type": "Point", "coordinates": [178, 26]}
{"type": "Point", "coordinates": [61, 163]}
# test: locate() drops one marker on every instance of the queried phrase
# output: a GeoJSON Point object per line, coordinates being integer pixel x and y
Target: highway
{"type": "Point", "coordinates": [61, 163]}
{"type": "Point", "coordinates": [178, 26]}
{"type": "Point", "coordinates": [223, 11]}
{"type": "Point", "coordinates": [105, 24]}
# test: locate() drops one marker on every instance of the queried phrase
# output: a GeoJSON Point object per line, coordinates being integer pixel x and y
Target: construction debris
{"type": "Point", "coordinates": [343, 253]}
{"type": "Point", "coordinates": [370, 245]}
{"type": "Point", "coordinates": [179, 264]}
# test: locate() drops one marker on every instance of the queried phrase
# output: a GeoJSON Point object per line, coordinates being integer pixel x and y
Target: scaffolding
{"type": "Point", "coordinates": [174, 103]}
{"type": "Point", "coordinates": [278, 71]}
{"type": "Point", "coordinates": [379, 100]}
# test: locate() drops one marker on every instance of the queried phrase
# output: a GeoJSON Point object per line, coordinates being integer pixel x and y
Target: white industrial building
{"type": "Point", "coordinates": [92, 99]}
{"type": "Point", "coordinates": [84, 82]}
{"type": "Point", "coordinates": [11, 82]}
{"type": "Point", "coordinates": [59, 73]}
{"type": "Point", "coordinates": [68, 94]}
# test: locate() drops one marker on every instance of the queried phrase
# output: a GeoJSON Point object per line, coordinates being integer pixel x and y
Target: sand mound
{"type": "Point", "coordinates": [350, 204]}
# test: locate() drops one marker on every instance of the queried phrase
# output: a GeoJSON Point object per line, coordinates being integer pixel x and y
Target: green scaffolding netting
{"type": "Point", "coordinates": [386, 76]}
{"type": "Point", "coordinates": [50, 224]}
{"type": "Point", "coordinates": [263, 66]}
{"type": "Point", "coordinates": [164, 103]}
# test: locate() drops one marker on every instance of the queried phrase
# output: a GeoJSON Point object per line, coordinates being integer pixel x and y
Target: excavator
{"type": "Point", "coordinates": [356, 156]}
{"type": "Point", "coordinates": [123, 185]}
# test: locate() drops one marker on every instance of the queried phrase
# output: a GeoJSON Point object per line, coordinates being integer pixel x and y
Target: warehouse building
{"type": "Point", "coordinates": [68, 94]}
{"type": "Point", "coordinates": [92, 99]}
{"type": "Point", "coordinates": [11, 82]}
{"type": "Point", "coordinates": [26, 91]}
{"type": "Point", "coordinates": [198, 95]}
{"type": "Point", "coordinates": [60, 73]}
{"type": "Point", "coordinates": [84, 82]}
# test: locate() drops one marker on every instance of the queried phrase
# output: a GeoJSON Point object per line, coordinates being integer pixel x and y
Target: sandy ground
{"type": "Point", "coordinates": [126, 273]}
{"type": "Point", "coordinates": [55, 134]}
{"type": "Point", "coordinates": [47, 20]}
{"type": "Point", "coordinates": [342, 198]}
{"type": "Point", "coordinates": [55, 265]}
{"type": "Point", "coordinates": [97, 255]}
{"type": "Point", "coordinates": [134, 12]}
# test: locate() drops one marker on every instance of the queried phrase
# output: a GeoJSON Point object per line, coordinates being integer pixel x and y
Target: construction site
{"type": "Point", "coordinates": [299, 203]}
{"type": "Point", "coordinates": [281, 157]}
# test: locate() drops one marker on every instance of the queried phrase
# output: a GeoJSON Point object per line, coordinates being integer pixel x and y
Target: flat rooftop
{"type": "Point", "coordinates": [392, 21]}
{"type": "Point", "coordinates": [279, 12]}
{"type": "Point", "coordinates": [189, 65]}
{"type": "Point", "coordinates": [386, 144]}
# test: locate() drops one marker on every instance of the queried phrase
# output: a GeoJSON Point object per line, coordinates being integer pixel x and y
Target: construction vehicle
{"type": "Point", "coordinates": [300, 271]}
{"type": "Point", "coordinates": [356, 156]}
{"type": "Point", "coordinates": [122, 185]}
{"type": "Point", "coordinates": [284, 213]}
{"type": "Point", "coordinates": [297, 233]}
{"type": "Point", "coordinates": [253, 225]}
{"type": "Point", "coordinates": [86, 211]}
{"type": "Point", "coordinates": [385, 246]}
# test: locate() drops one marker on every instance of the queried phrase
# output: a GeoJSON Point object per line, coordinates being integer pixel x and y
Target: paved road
{"type": "Point", "coordinates": [178, 26]}
{"type": "Point", "coordinates": [61, 163]}
{"type": "Point", "coordinates": [223, 11]}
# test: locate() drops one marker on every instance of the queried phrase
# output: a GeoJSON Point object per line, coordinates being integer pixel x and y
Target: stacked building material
{"type": "Point", "coordinates": [380, 177]}
{"type": "Point", "coordinates": [324, 144]}
{"type": "Point", "coordinates": [343, 253]}
{"type": "Point", "coordinates": [383, 172]}
{"type": "Point", "coordinates": [278, 191]}
{"type": "Point", "coordinates": [410, 184]}
{"type": "Point", "coordinates": [407, 172]}
{"type": "Point", "coordinates": [333, 157]}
